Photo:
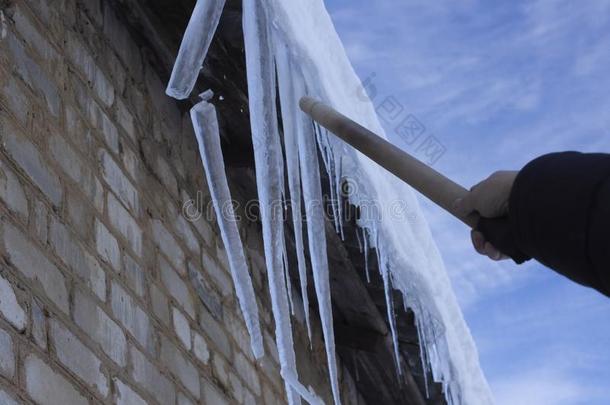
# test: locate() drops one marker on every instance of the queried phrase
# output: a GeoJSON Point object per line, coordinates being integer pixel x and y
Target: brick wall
{"type": "Point", "coordinates": [108, 294]}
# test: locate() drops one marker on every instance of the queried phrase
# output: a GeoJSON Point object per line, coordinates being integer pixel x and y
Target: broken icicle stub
{"type": "Point", "coordinates": [205, 124]}
{"type": "Point", "coordinates": [194, 47]}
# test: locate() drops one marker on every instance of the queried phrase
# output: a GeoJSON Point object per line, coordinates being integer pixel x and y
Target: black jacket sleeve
{"type": "Point", "coordinates": [559, 211]}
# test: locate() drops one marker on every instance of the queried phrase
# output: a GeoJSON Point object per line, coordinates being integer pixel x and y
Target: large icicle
{"type": "Point", "coordinates": [290, 119]}
{"type": "Point", "coordinates": [268, 164]}
{"type": "Point", "coordinates": [205, 124]}
{"type": "Point", "coordinates": [194, 47]}
{"type": "Point", "coordinates": [316, 232]}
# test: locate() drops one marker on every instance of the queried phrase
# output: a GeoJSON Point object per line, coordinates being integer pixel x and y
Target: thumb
{"type": "Point", "coordinates": [465, 205]}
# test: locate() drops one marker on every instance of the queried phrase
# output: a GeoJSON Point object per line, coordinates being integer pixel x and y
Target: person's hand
{"type": "Point", "coordinates": [490, 199]}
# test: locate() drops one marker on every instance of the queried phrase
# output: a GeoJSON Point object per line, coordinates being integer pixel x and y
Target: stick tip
{"type": "Point", "coordinates": [307, 104]}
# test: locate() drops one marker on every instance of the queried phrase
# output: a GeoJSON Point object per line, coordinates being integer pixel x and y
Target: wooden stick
{"type": "Point", "coordinates": [438, 188]}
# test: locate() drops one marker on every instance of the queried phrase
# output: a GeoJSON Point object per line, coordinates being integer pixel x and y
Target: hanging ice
{"type": "Point", "coordinates": [290, 120]}
{"type": "Point", "coordinates": [205, 124]}
{"type": "Point", "coordinates": [311, 60]}
{"type": "Point", "coordinates": [269, 174]}
{"type": "Point", "coordinates": [195, 44]}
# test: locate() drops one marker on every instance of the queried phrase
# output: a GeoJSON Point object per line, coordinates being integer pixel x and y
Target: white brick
{"type": "Point", "coordinates": [74, 166]}
{"type": "Point", "coordinates": [181, 367]}
{"type": "Point", "coordinates": [125, 119]}
{"type": "Point", "coordinates": [129, 313]}
{"type": "Point", "coordinates": [11, 191]}
{"type": "Point", "coordinates": [6, 399]}
{"type": "Point", "coordinates": [168, 245]}
{"type": "Point", "coordinates": [83, 61]}
{"type": "Point", "coordinates": [220, 367]}
{"type": "Point", "coordinates": [127, 226]}
{"type": "Point", "coordinates": [165, 175]}
{"type": "Point", "coordinates": [7, 355]}
{"type": "Point", "coordinates": [215, 332]}
{"type": "Point", "coordinates": [107, 245]}
{"type": "Point", "coordinates": [134, 276]}
{"type": "Point", "coordinates": [183, 400]}
{"type": "Point", "coordinates": [247, 372]}
{"type": "Point", "coordinates": [200, 348]}
{"type": "Point", "coordinates": [219, 276]}
{"type": "Point", "coordinates": [211, 395]}
{"type": "Point", "coordinates": [35, 266]}
{"type": "Point", "coordinates": [125, 395]}
{"type": "Point", "coordinates": [46, 386]}
{"type": "Point", "coordinates": [147, 375]}
{"type": "Point", "coordinates": [250, 400]}
{"type": "Point", "coordinates": [32, 36]}
{"type": "Point", "coordinates": [34, 76]}
{"type": "Point", "coordinates": [184, 230]}
{"type": "Point", "coordinates": [94, 321]}
{"type": "Point", "coordinates": [78, 358]}
{"type": "Point", "coordinates": [9, 307]}
{"type": "Point", "coordinates": [237, 388]}
{"type": "Point", "coordinates": [39, 328]}
{"type": "Point", "coordinates": [177, 288]}
{"type": "Point", "coordinates": [18, 102]}
{"type": "Point", "coordinates": [104, 125]}
{"type": "Point", "coordinates": [182, 328]}
{"type": "Point", "coordinates": [119, 183]}
{"type": "Point", "coordinates": [29, 159]}
{"type": "Point", "coordinates": [81, 262]}
{"type": "Point", "coordinates": [159, 304]}
{"type": "Point", "coordinates": [40, 221]}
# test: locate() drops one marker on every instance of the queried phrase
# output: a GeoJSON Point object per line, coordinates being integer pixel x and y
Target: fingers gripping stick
{"type": "Point", "coordinates": [438, 188]}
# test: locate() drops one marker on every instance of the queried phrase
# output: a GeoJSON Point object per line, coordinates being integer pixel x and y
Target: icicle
{"type": "Point", "coordinates": [205, 124]}
{"type": "Point", "coordinates": [269, 172]}
{"type": "Point", "coordinates": [308, 394]}
{"type": "Point", "coordinates": [290, 109]}
{"type": "Point", "coordinates": [194, 47]}
{"type": "Point", "coordinates": [316, 232]}
{"type": "Point", "coordinates": [339, 196]}
{"type": "Point", "coordinates": [287, 277]}
{"type": "Point", "coordinates": [383, 269]}
{"type": "Point", "coordinates": [366, 257]}
{"type": "Point", "coordinates": [422, 355]}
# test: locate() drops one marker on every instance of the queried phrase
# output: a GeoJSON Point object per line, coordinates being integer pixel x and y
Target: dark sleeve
{"type": "Point", "coordinates": [560, 215]}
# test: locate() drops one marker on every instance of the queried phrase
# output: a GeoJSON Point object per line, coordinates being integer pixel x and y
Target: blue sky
{"type": "Point", "coordinates": [498, 83]}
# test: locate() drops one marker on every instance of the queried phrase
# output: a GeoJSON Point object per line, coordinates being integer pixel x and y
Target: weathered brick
{"type": "Point", "coordinates": [177, 288]}
{"type": "Point", "coordinates": [209, 297]}
{"type": "Point", "coordinates": [10, 309]}
{"type": "Point", "coordinates": [47, 386]}
{"type": "Point", "coordinates": [6, 399]}
{"type": "Point", "coordinates": [107, 245]}
{"type": "Point", "coordinates": [220, 366]}
{"type": "Point", "coordinates": [200, 348]}
{"type": "Point", "coordinates": [185, 232]}
{"type": "Point", "coordinates": [168, 245]}
{"type": "Point", "coordinates": [159, 304]}
{"type": "Point", "coordinates": [127, 226]}
{"type": "Point", "coordinates": [98, 325]}
{"type": "Point", "coordinates": [131, 315]}
{"type": "Point", "coordinates": [180, 366]}
{"type": "Point", "coordinates": [133, 274]}
{"type": "Point", "coordinates": [104, 125]}
{"type": "Point", "coordinates": [78, 358]}
{"type": "Point", "coordinates": [81, 58]}
{"type": "Point", "coordinates": [81, 262]}
{"type": "Point", "coordinates": [40, 221]}
{"type": "Point", "coordinates": [249, 398]}
{"type": "Point", "coordinates": [220, 277]}
{"type": "Point", "coordinates": [236, 386]}
{"type": "Point", "coordinates": [125, 395]}
{"type": "Point", "coordinates": [125, 119]}
{"type": "Point", "coordinates": [211, 394]}
{"type": "Point", "coordinates": [11, 191]}
{"type": "Point", "coordinates": [132, 163]}
{"type": "Point", "coordinates": [32, 36]}
{"type": "Point", "coordinates": [247, 372]}
{"type": "Point", "coordinates": [151, 380]}
{"type": "Point", "coordinates": [119, 183]}
{"type": "Point", "coordinates": [34, 76]}
{"type": "Point", "coordinates": [29, 159]}
{"type": "Point", "coordinates": [7, 355]}
{"type": "Point", "coordinates": [236, 327]}
{"type": "Point", "coordinates": [18, 102]}
{"type": "Point", "coordinates": [39, 325]}
{"type": "Point", "coordinates": [182, 328]}
{"type": "Point", "coordinates": [74, 166]}
{"type": "Point", "coordinates": [184, 400]}
{"type": "Point", "coordinates": [121, 41]}
{"type": "Point", "coordinates": [28, 259]}
{"type": "Point", "coordinates": [216, 333]}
